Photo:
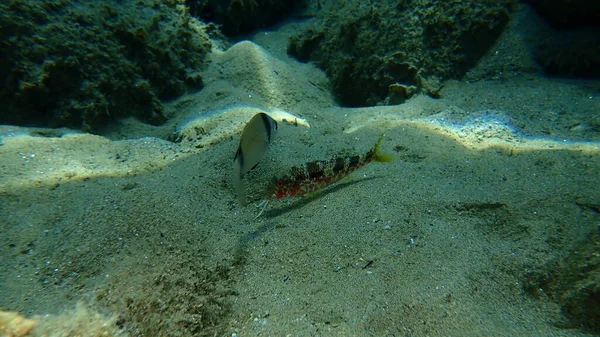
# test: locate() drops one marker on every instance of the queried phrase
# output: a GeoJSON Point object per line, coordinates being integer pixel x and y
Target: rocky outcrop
{"type": "Point", "coordinates": [377, 53]}
{"type": "Point", "coordinates": [80, 63]}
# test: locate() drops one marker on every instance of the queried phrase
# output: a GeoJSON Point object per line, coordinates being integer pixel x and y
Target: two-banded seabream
{"type": "Point", "coordinates": [256, 137]}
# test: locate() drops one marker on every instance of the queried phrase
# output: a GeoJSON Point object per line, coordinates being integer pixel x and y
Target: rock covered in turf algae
{"type": "Point", "coordinates": [370, 50]}
{"type": "Point", "coordinates": [81, 63]}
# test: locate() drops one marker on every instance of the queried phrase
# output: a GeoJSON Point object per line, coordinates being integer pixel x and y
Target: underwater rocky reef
{"type": "Point", "coordinates": [80, 64]}
{"type": "Point", "coordinates": [83, 64]}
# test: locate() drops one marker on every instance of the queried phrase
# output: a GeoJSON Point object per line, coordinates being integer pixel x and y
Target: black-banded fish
{"type": "Point", "coordinates": [256, 137]}
{"type": "Point", "coordinates": [319, 174]}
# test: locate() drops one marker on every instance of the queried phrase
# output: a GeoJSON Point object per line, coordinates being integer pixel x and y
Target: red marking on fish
{"type": "Point", "coordinates": [316, 175]}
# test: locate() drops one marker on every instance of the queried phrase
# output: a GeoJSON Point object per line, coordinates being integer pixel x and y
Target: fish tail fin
{"type": "Point", "coordinates": [380, 156]}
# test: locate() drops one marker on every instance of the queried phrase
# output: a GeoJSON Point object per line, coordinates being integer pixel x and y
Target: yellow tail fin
{"type": "Point", "coordinates": [380, 156]}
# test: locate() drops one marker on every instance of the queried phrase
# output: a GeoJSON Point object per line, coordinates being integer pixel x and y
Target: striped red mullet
{"type": "Point", "coordinates": [319, 174]}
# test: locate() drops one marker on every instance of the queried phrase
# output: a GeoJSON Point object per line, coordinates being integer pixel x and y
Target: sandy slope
{"type": "Point", "coordinates": [439, 242]}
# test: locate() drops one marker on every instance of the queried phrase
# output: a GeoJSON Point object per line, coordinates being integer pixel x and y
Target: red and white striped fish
{"type": "Point", "coordinates": [319, 174]}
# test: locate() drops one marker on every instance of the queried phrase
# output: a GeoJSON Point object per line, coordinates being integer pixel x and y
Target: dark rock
{"type": "Point", "coordinates": [365, 49]}
{"type": "Point", "coordinates": [568, 13]}
{"type": "Point", "coordinates": [243, 16]}
{"type": "Point", "coordinates": [570, 43]}
{"type": "Point", "coordinates": [571, 53]}
{"type": "Point", "coordinates": [81, 64]}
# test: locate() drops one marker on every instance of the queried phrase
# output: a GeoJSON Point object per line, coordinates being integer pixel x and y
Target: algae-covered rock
{"type": "Point", "coordinates": [82, 63]}
{"type": "Point", "coordinates": [367, 48]}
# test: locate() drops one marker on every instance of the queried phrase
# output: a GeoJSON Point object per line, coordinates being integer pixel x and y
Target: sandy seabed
{"type": "Point", "coordinates": [492, 183]}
